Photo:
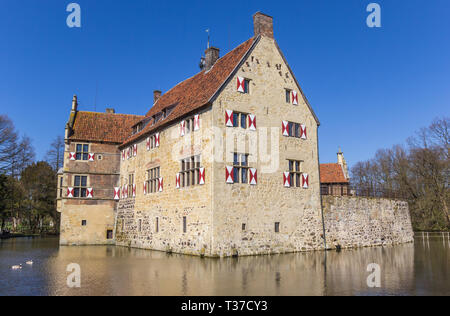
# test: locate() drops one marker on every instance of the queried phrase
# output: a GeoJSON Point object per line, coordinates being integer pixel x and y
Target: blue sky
{"type": "Point", "coordinates": [371, 88]}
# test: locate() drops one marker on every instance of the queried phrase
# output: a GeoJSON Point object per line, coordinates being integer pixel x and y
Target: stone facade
{"type": "Point", "coordinates": [353, 222]}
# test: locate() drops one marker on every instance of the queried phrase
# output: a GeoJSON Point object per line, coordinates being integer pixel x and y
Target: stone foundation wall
{"type": "Point", "coordinates": [352, 222]}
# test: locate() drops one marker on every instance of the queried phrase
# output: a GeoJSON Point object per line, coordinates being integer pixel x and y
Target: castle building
{"type": "Point", "coordinates": [225, 163]}
{"type": "Point", "coordinates": [335, 178]}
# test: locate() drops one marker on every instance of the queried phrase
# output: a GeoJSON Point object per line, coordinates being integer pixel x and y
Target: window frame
{"type": "Point", "coordinates": [295, 168]}
{"type": "Point", "coordinates": [241, 168]}
{"type": "Point", "coordinates": [80, 190]}
{"type": "Point", "coordinates": [294, 129]}
{"type": "Point", "coordinates": [83, 155]}
{"type": "Point", "coordinates": [153, 176]}
{"type": "Point", "coordinates": [238, 117]}
{"type": "Point", "coordinates": [288, 95]}
{"type": "Point", "coordinates": [190, 171]}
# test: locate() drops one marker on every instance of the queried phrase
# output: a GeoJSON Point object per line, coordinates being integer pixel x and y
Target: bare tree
{"type": "Point", "coordinates": [55, 155]}
{"type": "Point", "coordinates": [8, 143]}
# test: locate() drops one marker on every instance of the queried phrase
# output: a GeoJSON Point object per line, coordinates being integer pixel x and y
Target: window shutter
{"type": "Point", "coordinates": [285, 128]}
{"type": "Point", "coordinates": [229, 118]}
{"type": "Point", "coordinates": [89, 193]}
{"type": "Point", "coordinates": [177, 181]}
{"type": "Point", "coordinates": [72, 156]}
{"type": "Point", "coordinates": [201, 179]}
{"type": "Point", "coordinates": [229, 174]}
{"type": "Point", "coordinates": [253, 176]}
{"type": "Point", "coordinates": [240, 84]}
{"type": "Point", "coordinates": [303, 132]}
{"type": "Point", "coordinates": [135, 150]}
{"type": "Point", "coordinates": [287, 180]}
{"type": "Point", "coordinates": [252, 122]}
{"type": "Point", "coordinates": [128, 153]}
{"type": "Point", "coordinates": [305, 180]}
{"type": "Point", "coordinates": [117, 193]}
{"type": "Point", "coordinates": [157, 140]}
{"type": "Point", "coordinates": [134, 190]}
{"type": "Point", "coordinates": [91, 157]}
{"type": "Point", "coordinates": [70, 192]}
{"type": "Point", "coordinates": [196, 122]}
{"type": "Point", "coordinates": [182, 128]}
{"type": "Point", "coordinates": [148, 143]}
{"type": "Point", "coordinates": [145, 187]}
{"type": "Point", "coordinates": [160, 184]}
{"type": "Point", "coordinates": [123, 155]}
{"type": "Point", "coordinates": [294, 98]}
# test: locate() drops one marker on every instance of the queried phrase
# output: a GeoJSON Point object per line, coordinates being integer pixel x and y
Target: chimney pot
{"type": "Point", "coordinates": [211, 56]}
{"type": "Point", "coordinates": [263, 24]}
{"type": "Point", "coordinates": [156, 95]}
{"type": "Point", "coordinates": [110, 111]}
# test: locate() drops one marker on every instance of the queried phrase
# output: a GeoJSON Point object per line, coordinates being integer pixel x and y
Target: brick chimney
{"type": "Point", "coordinates": [263, 24]}
{"type": "Point", "coordinates": [74, 103]}
{"type": "Point", "coordinates": [156, 95]}
{"type": "Point", "coordinates": [211, 56]}
{"type": "Point", "coordinates": [110, 111]}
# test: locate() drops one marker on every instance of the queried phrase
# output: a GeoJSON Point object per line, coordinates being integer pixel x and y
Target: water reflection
{"type": "Point", "coordinates": [406, 270]}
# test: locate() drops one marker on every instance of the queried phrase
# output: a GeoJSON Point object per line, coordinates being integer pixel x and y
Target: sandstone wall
{"type": "Point", "coordinates": [259, 207]}
{"type": "Point", "coordinates": [362, 222]}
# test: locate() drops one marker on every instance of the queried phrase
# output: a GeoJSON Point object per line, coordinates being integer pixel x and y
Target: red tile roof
{"type": "Point", "coordinates": [332, 173]}
{"type": "Point", "coordinates": [196, 91]}
{"type": "Point", "coordinates": [103, 127]}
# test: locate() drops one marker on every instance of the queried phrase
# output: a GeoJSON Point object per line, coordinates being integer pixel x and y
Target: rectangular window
{"type": "Point", "coordinates": [130, 184]}
{"type": "Point", "coordinates": [240, 120]}
{"type": "Point", "coordinates": [244, 227]}
{"type": "Point", "coordinates": [288, 95]}
{"type": "Point", "coordinates": [277, 227]}
{"type": "Point", "coordinates": [80, 186]}
{"type": "Point", "coordinates": [61, 179]}
{"type": "Point", "coordinates": [83, 222]}
{"type": "Point", "coordinates": [294, 129]}
{"type": "Point", "coordinates": [157, 225]}
{"type": "Point", "coordinates": [153, 176]}
{"type": "Point", "coordinates": [246, 86]}
{"type": "Point", "coordinates": [140, 225]}
{"type": "Point", "coordinates": [190, 171]}
{"type": "Point", "coordinates": [82, 152]}
{"type": "Point", "coordinates": [240, 168]}
{"type": "Point", "coordinates": [109, 234]}
{"type": "Point", "coordinates": [184, 224]}
{"type": "Point", "coordinates": [295, 172]}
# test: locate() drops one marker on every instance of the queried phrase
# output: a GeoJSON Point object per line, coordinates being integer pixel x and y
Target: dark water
{"type": "Point", "coordinates": [422, 268]}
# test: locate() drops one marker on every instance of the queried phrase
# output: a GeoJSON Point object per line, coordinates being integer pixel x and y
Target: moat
{"type": "Point", "coordinates": [422, 268]}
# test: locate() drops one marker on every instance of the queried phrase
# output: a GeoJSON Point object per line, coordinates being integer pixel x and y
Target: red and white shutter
{"type": "Point", "coordinates": [91, 157]}
{"type": "Point", "coordinates": [305, 180]}
{"type": "Point", "coordinates": [145, 187]}
{"type": "Point", "coordinates": [182, 128]}
{"type": "Point", "coordinates": [196, 122]}
{"type": "Point", "coordinates": [134, 190]}
{"type": "Point", "coordinates": [229, 118]}
{"type": "Point", "coordinates": [177, 181]}
{"type": "Point", "coordinates": [72, 156]}
{"type": "Point", "coordinates": [148, 143]}
{"type": "Point", "coordinates": [89, 193]}
{"type": "Point", "coordinates": [303, 132]}
{"type": "Point", "coordinates": [128, 153]}
{"type": "Point", "coordinates": [117, 194]}
{"type": "Point", "coordinates": [160, 184]}
{"type": "Point", "coordinates": [240, 84]}
{"type": "Point", "coordinates": [253, 176]}
{"type": "Point", "coordinates": [252, 122]}
{"type": "Point", "coordinates": [157, 139]}
{"type": "Point", "coordinates": [134, 150]}
{"type": "Point", "coordinates": [123, 155]}
{"type": "Point", "coordinates": [285, 128]}
{"type": "Point", "coordinates": [201, 179]}
{"type": "Point", "coordinates": [229, 174]}
{"type": "Point", "coordinates": [294, 98]}
{"type": "Point", "coordinates": [70, 192]}
{"type": "Point", "coordinates": [287, 179]}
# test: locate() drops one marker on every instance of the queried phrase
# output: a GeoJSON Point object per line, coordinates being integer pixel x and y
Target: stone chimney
{"type": "Point", "coordinates": [211, 56]}
{"type": "Point", "coordinates": [156, 95]}
{"type": "Point", "coordinates": [263, 24]}
{"type": "Point", "coordinates": [74, 103]}
{"type": "Point", "coordinates": [110, 111]}
{"type": "Point", "coordinates": [343, 163]}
